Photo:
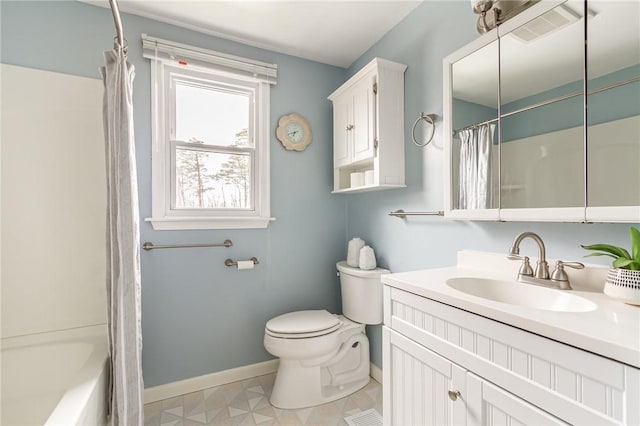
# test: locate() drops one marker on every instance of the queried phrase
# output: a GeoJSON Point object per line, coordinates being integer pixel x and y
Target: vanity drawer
{"type": "Point", "coordinates": [572, 384]}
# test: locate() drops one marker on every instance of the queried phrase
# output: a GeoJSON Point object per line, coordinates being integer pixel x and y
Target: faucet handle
{"type": "Point", "coordinates": [560, 275]}
{"type": "Point", "coordinates": [526, 268]}
{"type": "Point", "coordinates": [574, 265]}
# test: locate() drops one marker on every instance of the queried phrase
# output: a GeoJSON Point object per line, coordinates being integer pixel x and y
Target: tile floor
{"type": "Point", "coordinates": [247, 403]}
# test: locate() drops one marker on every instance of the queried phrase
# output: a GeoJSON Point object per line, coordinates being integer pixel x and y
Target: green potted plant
{"type": "Point", "coordinates": [623, 280]}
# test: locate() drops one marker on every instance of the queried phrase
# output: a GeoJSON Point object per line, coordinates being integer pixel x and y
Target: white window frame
{"type": "Point", "coordinates": [171, 61]}
{"type": "Point", "coordinates": [174, 76]}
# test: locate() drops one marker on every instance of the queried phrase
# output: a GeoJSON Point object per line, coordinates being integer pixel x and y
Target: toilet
{"type": "Point", "coordinates": [323, 356]}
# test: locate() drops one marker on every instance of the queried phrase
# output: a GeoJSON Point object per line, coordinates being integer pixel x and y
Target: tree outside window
{"type": "Point", "coordinates": [212, 179]}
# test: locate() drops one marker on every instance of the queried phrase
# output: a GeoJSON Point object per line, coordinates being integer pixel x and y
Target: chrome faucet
{"type": "Point", "coordinates": [558, 278]}
{"type": "Point", "coordinates": [542, 267]}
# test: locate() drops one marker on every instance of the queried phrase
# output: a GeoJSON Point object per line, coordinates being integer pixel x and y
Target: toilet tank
{"type": "Point", "coordinates": [361, 293]}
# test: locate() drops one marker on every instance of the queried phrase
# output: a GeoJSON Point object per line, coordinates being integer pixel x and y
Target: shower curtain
{"type": "Point", "coordinates": [475, 167]}
{"type": "Point", "coordinates": [123, 243]}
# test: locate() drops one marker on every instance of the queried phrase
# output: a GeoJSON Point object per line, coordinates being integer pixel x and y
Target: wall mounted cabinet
{"type": "Point", "coordinates": [368, 128]}
{"type": "Point", "coordinates": [539, 129]}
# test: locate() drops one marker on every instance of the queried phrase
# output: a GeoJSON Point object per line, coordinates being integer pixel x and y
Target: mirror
{"type": "Point", "coordinates": [613, 135]}
{"type": "Point", "coordinates": [556, 152]}
{"type": "Point", "coordinates": [475, 100]}
{"type": "Point", "coordinates": [542, 110]}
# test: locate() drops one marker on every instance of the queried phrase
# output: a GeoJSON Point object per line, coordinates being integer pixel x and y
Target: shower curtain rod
{"type": "Point", "coordinates": [116, 19]}
{"type": "Point", "coordinates": [551, 101]}
{"type": "Point", "coordinates": [493, 120]}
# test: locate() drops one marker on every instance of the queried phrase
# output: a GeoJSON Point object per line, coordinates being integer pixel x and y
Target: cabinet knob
{"type": "Point", "coordinates": [454, 394]}
{"type": "Point", "coordinates": [349, 127]}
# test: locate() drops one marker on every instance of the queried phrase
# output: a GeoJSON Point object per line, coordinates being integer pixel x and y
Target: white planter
{"type": "Point", "coordinates": [623, 284]}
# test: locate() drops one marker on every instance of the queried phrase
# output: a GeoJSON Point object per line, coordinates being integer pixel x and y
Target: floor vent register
{"type": "Point", "coordinates": [366, 418]}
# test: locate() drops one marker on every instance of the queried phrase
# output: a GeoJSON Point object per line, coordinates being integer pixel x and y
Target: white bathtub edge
{"type": "Point", "coordinates": [89, 386]}
{"type": "Point", "coordinates": [194, 384]}
{"type": "Point", "coordinates": [96, 410]}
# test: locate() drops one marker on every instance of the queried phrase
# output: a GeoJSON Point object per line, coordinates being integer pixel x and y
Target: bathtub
{"type": "Point", "coordinates": [56, 378]}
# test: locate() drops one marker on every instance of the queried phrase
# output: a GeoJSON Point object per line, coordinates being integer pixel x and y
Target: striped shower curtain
{"type": "Point", "coordinates": [123, 243]}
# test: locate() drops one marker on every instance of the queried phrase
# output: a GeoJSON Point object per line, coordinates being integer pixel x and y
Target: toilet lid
{"type": "Point", "coordinates": [303, 324]}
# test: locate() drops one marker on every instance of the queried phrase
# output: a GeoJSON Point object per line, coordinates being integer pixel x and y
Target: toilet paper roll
{"type": "Point", "coordinates": [357, 179]}
{"type": "Point", "coordinates": [245, 264]}
{"type": "Point", "coordinates": [353, 252]}
{"type": "Point", "coordinates": [368, 177]}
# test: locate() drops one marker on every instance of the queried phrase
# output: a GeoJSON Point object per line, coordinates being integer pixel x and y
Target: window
{"type": "Point", "coordinates": [210, 166]}
{"type": "Point", "coordinates": [211, 134]}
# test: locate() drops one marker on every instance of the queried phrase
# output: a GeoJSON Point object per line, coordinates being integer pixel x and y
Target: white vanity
{"type": "Point", "coordinates": [454, 354]}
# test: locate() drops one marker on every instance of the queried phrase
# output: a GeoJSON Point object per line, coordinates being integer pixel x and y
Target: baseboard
{"type": "Point", "coordinates": [194, 384]}
{"type": "Point", "coordinates": [376, 373]}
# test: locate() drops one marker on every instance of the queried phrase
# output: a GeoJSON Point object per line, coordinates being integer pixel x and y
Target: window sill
{"type": "Point", "coordinates": [184, 223]}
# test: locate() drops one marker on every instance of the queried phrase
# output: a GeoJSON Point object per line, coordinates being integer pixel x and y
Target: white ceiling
{"type": "Point", "coordinates": [328, 31]}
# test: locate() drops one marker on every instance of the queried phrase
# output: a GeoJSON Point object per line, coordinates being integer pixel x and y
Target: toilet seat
{"type": "Point", "coordinates": [303, 324]}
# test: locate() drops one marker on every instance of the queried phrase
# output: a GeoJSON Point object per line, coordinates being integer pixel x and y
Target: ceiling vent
{"type": "Point", "coordinates": [546, 24]}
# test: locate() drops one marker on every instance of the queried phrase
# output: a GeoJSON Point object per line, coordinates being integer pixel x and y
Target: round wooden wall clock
{"type": "Point", "coordinates": [294, 132]}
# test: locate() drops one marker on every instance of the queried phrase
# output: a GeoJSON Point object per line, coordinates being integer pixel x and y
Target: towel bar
{"type": "Point", "coordinates": [149, 246]}
{"type": "Point", "coordinates": [402, 214]}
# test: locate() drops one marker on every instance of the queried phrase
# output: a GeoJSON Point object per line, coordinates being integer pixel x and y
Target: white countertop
{"type": "Point", "coordinates": [611, 330]}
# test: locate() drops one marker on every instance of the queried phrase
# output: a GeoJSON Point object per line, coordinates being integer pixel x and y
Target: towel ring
{"type": "Point", "coordinates": [429, 118]}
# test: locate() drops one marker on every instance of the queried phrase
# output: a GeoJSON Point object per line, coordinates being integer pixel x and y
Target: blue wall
{"type": "Point", "coordinates": [467, 113]}
{"type": "Point", "coordinates": [434, 30]}
{"type": "Point", "coordinates": [198, 316]}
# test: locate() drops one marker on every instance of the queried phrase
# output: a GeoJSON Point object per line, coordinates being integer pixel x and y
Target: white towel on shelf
{"type": "Point", "coordinates": [367, 258]}
{"type": "Point", "coordinates": [353, 252]}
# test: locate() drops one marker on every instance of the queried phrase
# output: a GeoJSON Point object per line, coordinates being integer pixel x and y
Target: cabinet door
{"type": "Point", "coordinates": [474, 106]}
{"type": "Point", "coordinates": [542, 118]}
{"type": "Point", "coordinates": [488, 404]}
{"type": "Point", "coordinates": [417, 384]}
{"type": "Point", "coordinates": [363, 121]}
{"type": "Point", "coordinates": [341, 120]}
{"type": "Point", "coordinates": [613, 113]}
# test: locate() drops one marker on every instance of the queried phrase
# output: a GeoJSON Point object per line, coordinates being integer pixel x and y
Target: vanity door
{"type": "Point", "coordinates": [491, 405]}
{"type": "Point", "coordinates": [613, 111]}
{"type": "Point", "coordinates": [417, 384]}
{"type": "Point", "coordinates": [542, 113]}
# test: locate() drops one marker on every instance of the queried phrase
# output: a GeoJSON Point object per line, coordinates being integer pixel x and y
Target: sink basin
{"type": "Point", "coordinates": [528, 295]}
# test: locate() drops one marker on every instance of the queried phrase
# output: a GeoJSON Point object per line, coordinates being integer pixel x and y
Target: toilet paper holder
{"type": "Point", "coordinates": [230, 262]}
